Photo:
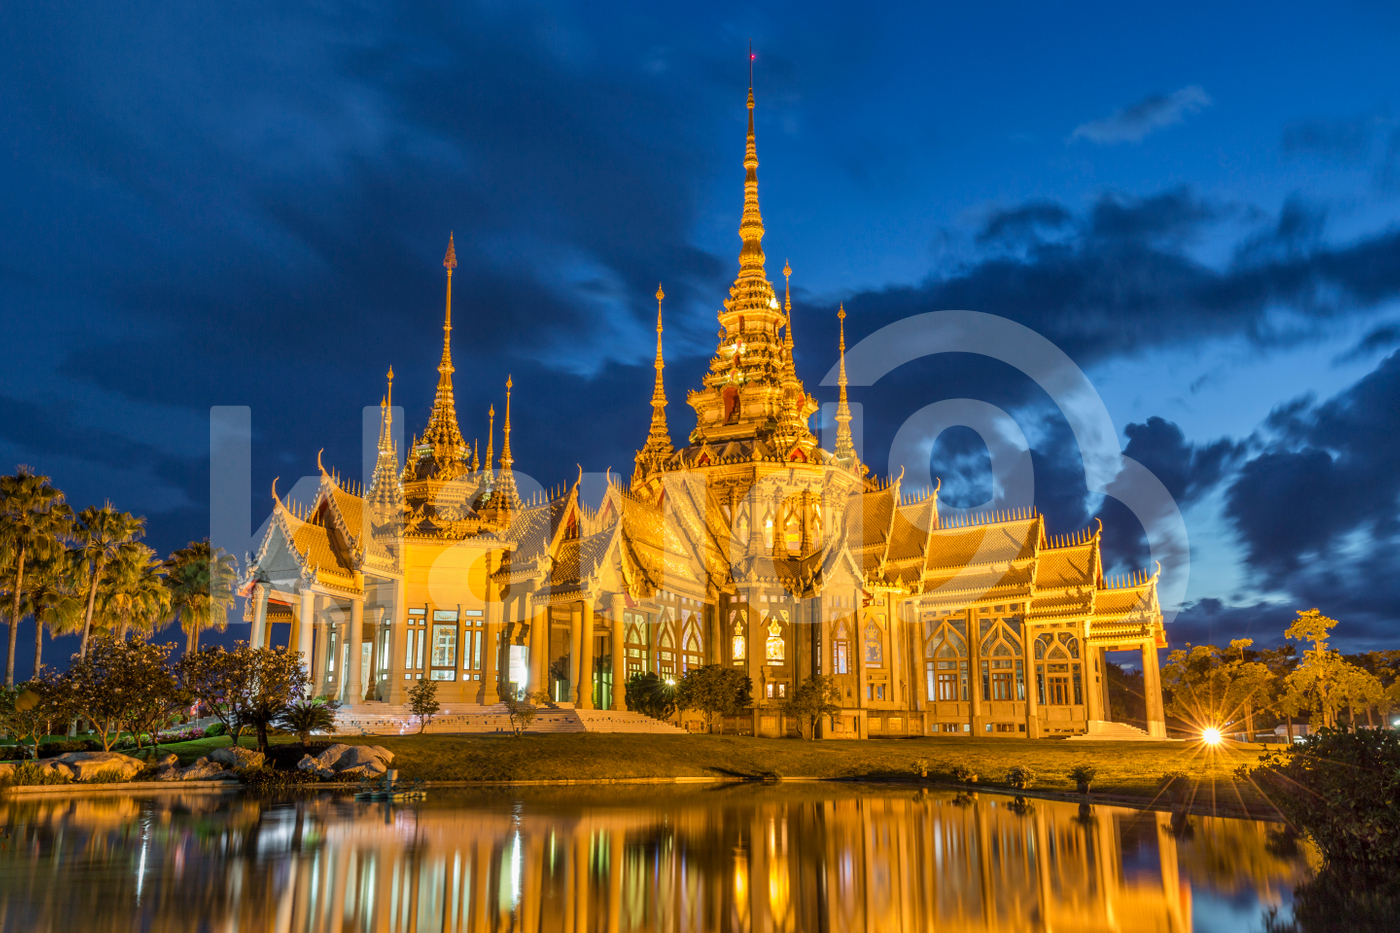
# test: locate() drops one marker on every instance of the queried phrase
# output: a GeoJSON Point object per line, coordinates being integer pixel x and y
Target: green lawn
{"type": "Point", "coordinates": [1123, 767]}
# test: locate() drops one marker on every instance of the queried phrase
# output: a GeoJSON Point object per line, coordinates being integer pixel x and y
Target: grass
{"type": "Point", "coordinates": [1126, 768]}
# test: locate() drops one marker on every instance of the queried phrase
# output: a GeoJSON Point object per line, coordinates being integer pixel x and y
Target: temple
{"type": "Point", "coordinates": [750, 545]}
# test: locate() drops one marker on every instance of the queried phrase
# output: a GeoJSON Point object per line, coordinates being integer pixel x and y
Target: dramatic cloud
{"type": "Point", "coordinates": [1133, 123]}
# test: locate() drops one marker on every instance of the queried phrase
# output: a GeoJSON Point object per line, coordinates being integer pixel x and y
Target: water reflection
{"type": "Point", "coordinates": [787, 858]}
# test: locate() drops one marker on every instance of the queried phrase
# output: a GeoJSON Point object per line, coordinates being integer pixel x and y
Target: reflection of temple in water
{"type": "Point", "coordinates": [799, 858]}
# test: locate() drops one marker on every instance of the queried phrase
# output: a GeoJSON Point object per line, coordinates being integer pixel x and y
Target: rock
{"type": "Point", "coordinates": [7, 768]}
{"type": "Point", "coordinates": [203, 770]}
{"type": "Point", "coordinates": [86, 765]}
{"type": "Point", "coordinates": [53, 764]}
{"type": "Point", "coordinates": [168, 761]}
{"type": "Point", "coordinates": [237, 758]}
{"type": "Point", "coordinates": [348, 759]}
{"type": "Point", "coordinates": [168, 773]}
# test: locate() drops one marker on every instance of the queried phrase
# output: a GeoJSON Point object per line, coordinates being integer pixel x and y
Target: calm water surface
{"type": "Point", "coordinates": [791, 857]}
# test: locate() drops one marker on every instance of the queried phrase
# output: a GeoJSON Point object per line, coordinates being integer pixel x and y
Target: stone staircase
{"type": "Point", "coordinates": [475, 719]}
{"type": "Point", "coordinates": [1104, 731]}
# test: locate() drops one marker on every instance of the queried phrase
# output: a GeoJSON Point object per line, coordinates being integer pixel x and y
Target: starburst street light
{"type": "Point", "coordinates": [1211, 736]}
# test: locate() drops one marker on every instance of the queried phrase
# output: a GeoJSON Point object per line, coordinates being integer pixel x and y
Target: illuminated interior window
{"type": "Point", "coordinates": [776, 648]}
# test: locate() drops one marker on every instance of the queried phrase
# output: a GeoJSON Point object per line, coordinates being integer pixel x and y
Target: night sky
{"type": "Point", "coordinates": [234, 204]}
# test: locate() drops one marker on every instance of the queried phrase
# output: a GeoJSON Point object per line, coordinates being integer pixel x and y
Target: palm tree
{"type": "Point", "coordinates": [100, 535]}
{"type": "Point", "coordinates": [53, 599]}
{"type": "Point", "coordinates": [133, 593]}
{"type": "Point", "coordinates": [34, 520]}
{"type": "Point", "coordinates": [201, 581]}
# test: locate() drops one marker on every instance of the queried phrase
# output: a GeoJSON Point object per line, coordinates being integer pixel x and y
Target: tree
{"type": "Point", "coordinates": [133, 594]}
{"type": "Point", "coordinates": [1324, 681]}
{"type": "Point", "coordinates": [118, 684]}
{"type": "Point", "coordinates": [277, 677]}
{"type": "Point", "coordinates": [716, 690]}
{"type": "Point", "coordinates": [34, 709]}
{"type": "Point", "coordinates": [817, 696]}
{"type": "Point", "coordinates": [650, 695]}
{"type": "Point", "coordinates": [305, 716]}
{"type": "Point", "coordinates": [201, 581]}
{"type": "Point", "coordinates": [52, 599]}
{"type": "Point", "coordinates": [100, 534]}
{"type": "Point", "coordinates": [522, 709]}
{"type": "Point", "coordinates": [219, 681]}
{"type": "Point", "coordinates": [423, 702]}
{"type": "Point", "coordinates": [34, 520]}
{"type": "Point", "coordinates": [157, 696]}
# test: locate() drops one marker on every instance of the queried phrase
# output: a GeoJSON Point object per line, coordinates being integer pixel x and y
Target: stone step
{"type": "Point", "coordinates": [1104, 731]}
{"type": "Point", "coordinates": [384, 719]}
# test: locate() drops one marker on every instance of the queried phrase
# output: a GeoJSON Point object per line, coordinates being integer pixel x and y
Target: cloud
{"type": "Point", "coordinates": [1023, 222]}
{"type": "Point", "coordinates": [1133, 123]}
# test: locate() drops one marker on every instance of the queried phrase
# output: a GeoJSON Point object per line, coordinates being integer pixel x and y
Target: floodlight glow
{"type": "Point", "coordinates": [1212, 736]}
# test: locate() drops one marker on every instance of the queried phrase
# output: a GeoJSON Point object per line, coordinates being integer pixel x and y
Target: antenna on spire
{"type": "Point", "coordinates": [751, 58]}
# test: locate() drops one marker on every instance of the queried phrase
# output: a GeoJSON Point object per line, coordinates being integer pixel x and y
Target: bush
{"type": "Point", "coordinates": [54, 749]}
{"type": "Point", "coordinates": [266, 777]}
{"type": "Point", "coordinates": [1341, 789]}
{"type": "Point", "coordinates": [106, 777]}
{"type": "Point", "coordinates": [1083, 776]}
{"type": "Point", "coordinates": [1020, 777]}
{"type": "Point", "coordinates": [307, 716]}
{"type": "Point", "coordinates": [965, 775]}
{"type": "Point", "coordinates": [216, 728]}
{"type": "Point", "coordinates": [30, 774]}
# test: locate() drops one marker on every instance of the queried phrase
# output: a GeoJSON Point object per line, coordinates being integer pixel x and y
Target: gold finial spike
{"type": "Point", "coordinates": [658, 444]}
{"type": "Point", "coordinates": [491, 443]}
{"type": "Point", "coordinates": [845, 444]}
{"type": "Point", "coordinates": [390, 397]}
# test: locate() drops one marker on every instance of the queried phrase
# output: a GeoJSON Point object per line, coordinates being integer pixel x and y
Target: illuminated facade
{"type": "Point", "coordinates": [750, 545]}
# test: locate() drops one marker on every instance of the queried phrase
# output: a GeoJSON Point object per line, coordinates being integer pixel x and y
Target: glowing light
{"type": "Point", "coordinates": [1212, 736]}
{"type": "Point", "coordinates": [670, 681]}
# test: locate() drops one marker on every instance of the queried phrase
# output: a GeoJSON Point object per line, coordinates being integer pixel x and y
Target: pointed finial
{"type": "Point", "coordinates": [845, 443]}
{"type": "Point", "coordinates": [390, 397]}
{"type": "Point", "coordinates": [450, 260]}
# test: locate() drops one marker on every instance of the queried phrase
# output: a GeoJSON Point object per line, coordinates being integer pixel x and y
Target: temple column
{"type": "Point", "coordinates": [1093, 684]}
{"type": "Point", "coordinates": [584, 688]}
{"type": "Point", "coordinates": [306, 618]}
{"type": "Point", "coordinates": [1104, 696]}
{"type": "Point", "coordinates": [1032, 690]}
{"type": "Point", "coordinates": [897, 653]}
{"type": "Point", "coordinates": [755, 646]}
{"type": "Point", "coordinates": [974, 670]}
{"type": "Point", "coordinates": [255, 637]}
{"type": "Point", "coordinates": [533, 680]}
{"type": "Point", "coordinates": [619, 656]}
{"type": "Point", "coordinates": [321, 654]}
{"type": "Point", "coordinates": [491, 670]}
{"type": "Point", "coordinates": [1152, 689]}
{"type": "Point", "coordinates": [351, 689]}
{"type": "Point", "coordinates": [392, 690]}
{"type": "Point", "coordinates": [575, 650]}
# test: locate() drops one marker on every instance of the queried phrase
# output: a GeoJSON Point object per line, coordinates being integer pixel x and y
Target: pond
{"type": "Point", "coordinates": [799, 857]}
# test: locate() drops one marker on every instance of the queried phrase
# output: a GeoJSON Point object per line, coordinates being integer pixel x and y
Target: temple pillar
{"type": "Point", "coordinates": [755, 641]}
{"type": "Point", "coordinates": [305, 620]}
{"type": "Point", "coordinates": [619, 655]}
{"type": "Point", "coordinates": [1032, 684]}
{"type": "Point", "coordinates": [392, 688]}
{"type": "Point", "coordinates": [534, 680]}
{"type": "Point", "coordinates": [321, 654]}
{"type": "Point", "coordinates": [974, 664]}
{"type": "Point", "coordinates": [1093, 684]}
{"type": "Point", "coordinates": [1152, 689]}
{"type": "Point", "coordinates": [1105, 697]}
{"type": "Point", "coordinates": [586, 665]}
{"type": "Point", "coordinates": [575, 651]}
{"type": "Point", "coordinates": [491, 670]}
{"type": "Point", "coordinates": [351, 688]}
{"type": "Point", "coordinates": [255, 637]}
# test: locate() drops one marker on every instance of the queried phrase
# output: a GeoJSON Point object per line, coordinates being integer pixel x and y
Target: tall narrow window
{"type": "Point", "coordinates": [839, 657]}
{"type": "Point", "coordinates": [874, 645]}
{"type": "Point", "coordinates": [739, 645]}
{"type": "Point", "coordinates": [775, 650]}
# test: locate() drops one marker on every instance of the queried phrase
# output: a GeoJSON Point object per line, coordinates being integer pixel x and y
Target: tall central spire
{"type": "Point", "coordinates": [443, 432]}
{"type": "Point", "coordinates": [751, 257]}
{"type": "Point", "coordinates": [507, 496]}
{"type": "Point", "coordinates": [845, 446]}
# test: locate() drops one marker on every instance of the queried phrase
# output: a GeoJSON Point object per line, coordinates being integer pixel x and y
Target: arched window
{"type": "Point", "coordinates": [874, 644]}
{"type": "Point", "coordinates": [741, 527]}
{"type": "Point", "coordinates": [840, 650]}
{"type": "Point", "coordinates": [739, 644]}
{"type": "Point", "coordinates": [775, 650]}
{"type": "Point", "coordinates": [768, 529]}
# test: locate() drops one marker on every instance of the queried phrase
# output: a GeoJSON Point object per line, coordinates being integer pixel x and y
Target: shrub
{"type": "Point", "coordinates": [53, 749]}
{"type": "Point", "coordinates": [965, 775]}
{"type": "Point", "coordinates": [1020, 777]}
{"type": "Point", "coordinates": [307, 716]}
{"type": "Point", "coordinates": [108, 776]}
{"type": "Point", "coordinates": [423, 702]}
{"type": "Point", "coordinates": [1341, 789]}
{"type": "Point", "coordinates": [215, 728]}
{"type": "Point", "coordinates": [921, 766]}
{"type": "Point", "coordinates": [30, 774]}
{"type": "Point", "coordinates": [1083, 776]}
{"type": "Point", "coordinates": [266, 777]}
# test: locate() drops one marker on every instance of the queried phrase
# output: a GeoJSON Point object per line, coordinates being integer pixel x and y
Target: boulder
{"type": "Point", "coordinates": [237, 758]}
{"type": "Point", "coordinates": [167, 773]}
{"type": "Point", "coordinates": [204, 770]}
{"type": "Point", "coordinates": [53, 764]}
{"type": "Point", "coordinates": [7, 768]}
{"type": "Point", "coordinates": [86, 765]}
{"type": "Point", "coordinates": [368, 760]}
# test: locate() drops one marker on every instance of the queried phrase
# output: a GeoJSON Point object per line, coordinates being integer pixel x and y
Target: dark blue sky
{"type": "Point", "coordinates": [237, 205]}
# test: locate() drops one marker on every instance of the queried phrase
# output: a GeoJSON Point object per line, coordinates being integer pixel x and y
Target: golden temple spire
{"type": "Point", "coordinates": [476, 455]}
{"type": "Point", "coordinates": [658, 446]}
{"type": "Point", "coordinates": [845, 447]}
{"type": "Point", "coordinates": [787, 306]}
{"type": "Point", "coordinates": [443, 432]}
{"type": "Point", "coordinates": [491, 445]}
{"type": "Point", "coordinates": [507, 496]}
{"type": "Point", "coordinates": [384, 488]}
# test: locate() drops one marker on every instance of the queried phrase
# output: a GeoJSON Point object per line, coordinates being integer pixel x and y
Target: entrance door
{"type": "Point", "coordinates": [520, 668]}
